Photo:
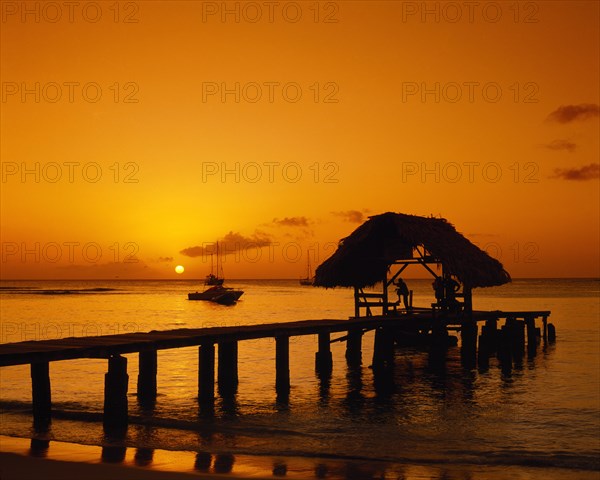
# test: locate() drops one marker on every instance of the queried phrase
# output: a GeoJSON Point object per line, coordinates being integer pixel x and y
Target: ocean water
{"type": "Point", "coordinates": [544, 413]}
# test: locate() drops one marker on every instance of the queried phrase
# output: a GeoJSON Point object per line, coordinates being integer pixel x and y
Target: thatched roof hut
{"type": "Point", "coordinates": [363, 258]}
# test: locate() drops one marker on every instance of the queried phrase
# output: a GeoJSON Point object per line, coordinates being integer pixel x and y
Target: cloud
{"type": "Point", "coordinates": [229, 244]}
{"type": "Point", "coordinates": [352, 216]}
{"type": "Point", "coordinates": [558, 145]}
{"type": "Point", "coordinates": [291, 222]}
{"type": "Point", "coordinates": [587, 172]}
{"type": "Point", "coordinates": [570, 113]}
{"type": "Point", "coordinates": [165, 259]}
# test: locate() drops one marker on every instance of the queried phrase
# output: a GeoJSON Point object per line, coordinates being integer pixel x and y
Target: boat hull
{"type": "Point", "coordinates": [222, 295]}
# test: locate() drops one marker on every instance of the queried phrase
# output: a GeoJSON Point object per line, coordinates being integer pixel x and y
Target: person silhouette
{"type": "Point", "coordinates": [402, 291]}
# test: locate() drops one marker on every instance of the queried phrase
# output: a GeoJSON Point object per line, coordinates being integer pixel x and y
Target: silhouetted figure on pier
{"type": "Point", "coordinates": [446, 289]}
{"type": "Point", "coordinates": [452, 288]}
{"type": "Point", "coordinates": [402, 291]}
{"type": "Point", "coordinates": [438, 288]}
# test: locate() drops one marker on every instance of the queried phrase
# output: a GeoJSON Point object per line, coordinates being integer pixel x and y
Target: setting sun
{"type": "Point", "coordinates": [179, 269]}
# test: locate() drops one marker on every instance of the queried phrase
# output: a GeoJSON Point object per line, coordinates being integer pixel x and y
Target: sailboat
{"type": "Point", "coordinates": [216, 292]}
{"type": "Point", "coordinates": [308, 280]}
{"type": "Point", "coordinates": [211, 278]}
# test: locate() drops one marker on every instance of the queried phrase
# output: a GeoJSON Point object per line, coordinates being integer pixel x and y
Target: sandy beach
{"type": "Point", "coordinates": [68, 461]}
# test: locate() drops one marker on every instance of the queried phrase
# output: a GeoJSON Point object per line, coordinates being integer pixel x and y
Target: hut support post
{"type": "Point", "coordinates": [206, 372]}
{"type": "Point", "coordinates": [323, 359]}
{"type": "Point", "coordinates": [40, 393]}
{"type": "Point", "coordinates": [354, 347]}
{"type": "Point", "coordinates": [116, 382]}
{"type": "Point", "coordinates": [146, 383]}
{"type": "Point", "coordinates": [356, 301]}
{"type": "Point", "coordinates": [228, 367]}
{"type": "Point", "coordinates": [545, 328]}
{"type": "Point", "coordinates": [282, 365]}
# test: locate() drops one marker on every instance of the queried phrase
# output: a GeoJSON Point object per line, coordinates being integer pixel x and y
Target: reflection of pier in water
{"type": "Point", "coordinates": [507, 342]}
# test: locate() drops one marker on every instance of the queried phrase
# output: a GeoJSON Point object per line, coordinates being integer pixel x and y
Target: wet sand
{"type": "Point", "coordinates": [22, 459]}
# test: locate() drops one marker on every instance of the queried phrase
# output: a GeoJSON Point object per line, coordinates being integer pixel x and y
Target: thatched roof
{"type": "Point", "coordinates": [362, 258]}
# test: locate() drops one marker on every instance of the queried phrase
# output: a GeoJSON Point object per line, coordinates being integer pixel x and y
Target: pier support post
{"type": "Point", "coordinates": [532, 336]}
{"type": "Point", "coordinates": [228, 368]}
{"type": "Point", "coordinates": [282, 365]}
{"type": "Point", "coordinates": [468, 338]}
{"type": "Point", "coordinates": [551, 333]}
{"type": "Point", "coordinates": [519, 338]}
{"type": "Point", "coordinates": [206, 372]}
{"type": "Point", "coordinates": [323, 358]}
{"type": "Point", "coordinates": [545, 329]}
{"type": "Point", "coordinates": [383, 349]}
{"type": "Point", "coordinates": [488, 342]}
{"type": "Point", "coordinates": [41, 394]}
{"type": "Point", "coordinates": [115, 393]}
{"type": "Point", "coordinates": [146, 383]}
{"type": "Point", "coordinates": [354, 347]}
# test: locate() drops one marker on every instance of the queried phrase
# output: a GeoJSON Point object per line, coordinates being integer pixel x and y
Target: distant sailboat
{"type": "Point", "coordinates": [308, 280]}
{"type": "Point", "coordinates": [211, 278]}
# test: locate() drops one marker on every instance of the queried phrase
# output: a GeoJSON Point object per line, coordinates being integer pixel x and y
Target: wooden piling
{"type": "Point", "coordinates": [146, 383]}
{"type": "Point", "coordinates": [551, 332]}
{"type": "Point", "coordinates": [483, 353]}
{"type": "Point", "coordinates": [227, 369]}
{"type": "Point", "coordinates": [116, 383]}
{"type": "Point", "coordinates": [41, 393]}
{"type": "Point", "coordinates": [519, 337]}
{"type": "Point", "coordinates": [468, 339]}
{"type": "Point", "coordinates": [323, 358]}
{"type": "Point", "coordinates": [354, 347]}
{"type": "Point", "coordinates": [282, 365]}
{"type": "Point", "coordinates": [504, 352]}
{"type": "Point", "coordinates": [383, 348]}
{"type": "Point", "coordinates": [206, 372]}
{"type": "Point", "coordinates": [532, 336]}
{"type": "Point", "coordinates": [545, 328]}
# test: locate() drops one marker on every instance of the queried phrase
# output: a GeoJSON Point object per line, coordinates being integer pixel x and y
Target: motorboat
{"type": "Point", "coordinates": [218, 294]}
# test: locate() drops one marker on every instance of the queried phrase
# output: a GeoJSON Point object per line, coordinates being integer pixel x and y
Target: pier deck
{"type": "Point", "coordinates": [33, 351]}
{"type": "Point", "coordinates": [388, 330]}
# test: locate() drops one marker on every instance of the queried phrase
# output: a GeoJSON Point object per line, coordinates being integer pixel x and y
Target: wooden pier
{"type": "Point", "coordinates": [389, 329]}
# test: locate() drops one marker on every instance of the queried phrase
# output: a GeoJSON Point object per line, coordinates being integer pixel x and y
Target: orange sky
{"type": "Point", "coordinates": [131, 135]}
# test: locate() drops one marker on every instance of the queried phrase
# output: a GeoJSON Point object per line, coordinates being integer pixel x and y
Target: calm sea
{"type": "Point", "coordinates": [543, 414]}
